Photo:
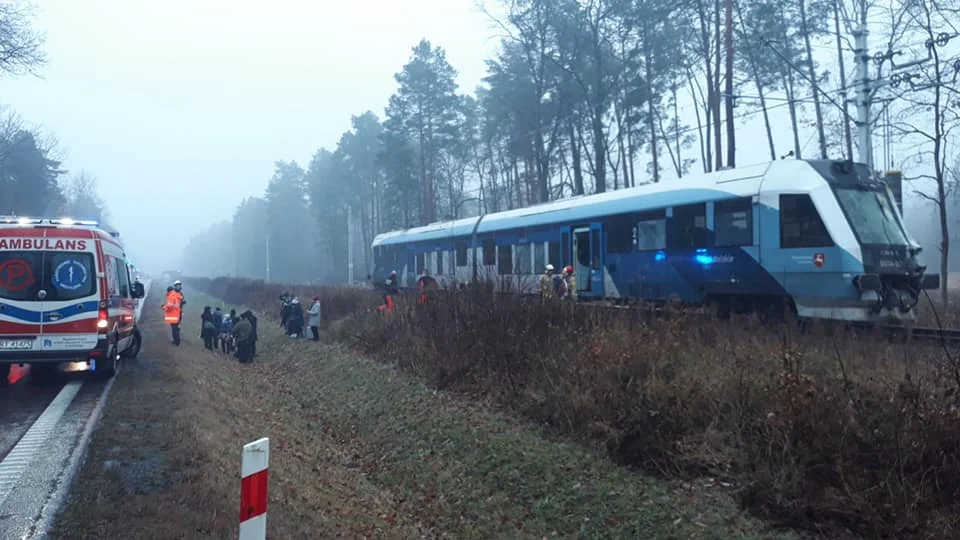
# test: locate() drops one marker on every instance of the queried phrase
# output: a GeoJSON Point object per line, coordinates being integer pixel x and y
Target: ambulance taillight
{"type": "Point", "coordinates": [102, 316]}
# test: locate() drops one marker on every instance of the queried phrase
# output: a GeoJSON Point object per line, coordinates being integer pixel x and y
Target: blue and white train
{"type": "Point", "coordinates": [824, 239]}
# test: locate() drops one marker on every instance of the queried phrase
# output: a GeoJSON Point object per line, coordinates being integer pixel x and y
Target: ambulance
{"type": "Point", "coordinates": [66, 297]}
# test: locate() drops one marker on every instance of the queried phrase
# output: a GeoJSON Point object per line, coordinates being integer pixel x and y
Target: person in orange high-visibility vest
{"type": "Point", "coordinates": [173, 313]}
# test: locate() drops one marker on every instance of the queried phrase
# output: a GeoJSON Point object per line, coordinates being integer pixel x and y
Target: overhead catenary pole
{"type": "Point", "coordinates": [864, 94]}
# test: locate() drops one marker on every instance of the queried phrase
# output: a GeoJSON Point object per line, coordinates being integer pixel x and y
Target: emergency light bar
{"type": "Point", "coordinates": [66, 221]}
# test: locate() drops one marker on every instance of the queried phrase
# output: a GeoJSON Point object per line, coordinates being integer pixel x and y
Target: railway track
{"type": "Point", "coordinates": [649, 311]}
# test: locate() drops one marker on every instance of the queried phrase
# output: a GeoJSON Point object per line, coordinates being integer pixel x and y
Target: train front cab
{"type": "Point", "coordinates": [839, 247]}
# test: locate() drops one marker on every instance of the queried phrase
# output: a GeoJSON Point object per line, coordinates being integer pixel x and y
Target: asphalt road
{"type": "Point", "coordinates": [44, 429]}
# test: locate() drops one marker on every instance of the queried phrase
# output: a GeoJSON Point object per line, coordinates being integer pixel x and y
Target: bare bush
{"type": "Point", "coordinates": [825, 433]}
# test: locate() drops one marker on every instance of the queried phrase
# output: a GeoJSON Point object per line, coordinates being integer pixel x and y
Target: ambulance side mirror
{"type": "Point", "coordinates": [138, 291]}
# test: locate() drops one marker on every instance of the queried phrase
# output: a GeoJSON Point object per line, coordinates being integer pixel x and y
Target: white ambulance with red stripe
{"type": "Point", "coordinates": [66, 296]}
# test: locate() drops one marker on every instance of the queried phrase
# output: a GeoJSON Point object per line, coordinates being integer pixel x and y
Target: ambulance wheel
{"type": "Point", "coordinates": [133, 350]}
{"type": "Point", "coordinates": [110, 364]}
{"type": "Point", "coordinates": [4, 374]}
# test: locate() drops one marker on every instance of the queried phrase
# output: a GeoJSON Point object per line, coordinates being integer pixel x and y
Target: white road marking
{"type": "Point", "coordinates": [17, 461]}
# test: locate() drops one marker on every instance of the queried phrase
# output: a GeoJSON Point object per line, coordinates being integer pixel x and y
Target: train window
{"type": "Point", "coordinates": [539, 259]}
{"type": "Point", "coordinates": [504, 260]}
{"type": "Point", "coordinates": [651, 231]}
{"type": "Point", "coordinates": [733, 222]}
{"type": "Point", "coordinates": [619, 234]}
{"type": "Point", "coordinates": [489, 253]}
{"type": "Point", "coordinates": [688, 227]}
{"type": "Point", "coordinates": [800, 223]}
{"type": "Point", "coordinates": [564, 255]}
{"type": "Point", "coordinates": [396, 254]}
{"type": "Point", "coordinates": [523, 258]}
{"type": "Point", "coordinates": [461, 253]}
{"type": "Point", "coordinates": [553, 257]}
{"type": "Point", "coordinates": [440, 263]}
{"type": "Point", "coordinates": [421, 262]}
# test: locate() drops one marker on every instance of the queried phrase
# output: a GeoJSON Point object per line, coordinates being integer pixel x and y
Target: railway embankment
{"type": "Point", "coordinates": [835, 436]}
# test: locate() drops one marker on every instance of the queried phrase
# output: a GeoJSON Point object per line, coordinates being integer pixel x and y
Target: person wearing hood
{"type": "Point", "coordinates": [295, 320]}
{"type": "Point", "coordinates": [314, 321]}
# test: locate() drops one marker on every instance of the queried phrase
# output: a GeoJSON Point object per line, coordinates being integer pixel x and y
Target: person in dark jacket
{"type": "Point", "coordinates": [253, 323]}
{"type": "Point", "coordinates": [285, 309]}
{"type": "Point", "coordinates": [243, 335]}
{"type": "Point", "coordinates": [208, 328]}
{"type": "Point", "coordinates": [295, 320]}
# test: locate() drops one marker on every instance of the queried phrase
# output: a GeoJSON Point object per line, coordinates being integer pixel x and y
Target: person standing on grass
{"type": "Point", "coordinates": [208, 329]}
{"type": "Point", "coordinates": [173, 313]}
{"type": "Point", "coordinates": [285, 308]}
{"type": "Point", "coordinates": [314, 322]}
{"type": "Point", "coordinates": [295, 319]}
{"type": "Point", "coordinates": [226, 334]}
{"type": "Point", "coordinates": [217, 323]}
{"type": "Point", "coordinates": [253, 323]}
{"type": "Point", "coordinates": [243, 337]}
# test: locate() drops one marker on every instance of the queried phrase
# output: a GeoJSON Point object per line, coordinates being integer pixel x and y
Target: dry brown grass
{"type": "Point", "coordinates": [358, 450]}
{"type": "Point", "coordinates": [829, 434]}
{"type": "Point", "coordinates": [164, 461]}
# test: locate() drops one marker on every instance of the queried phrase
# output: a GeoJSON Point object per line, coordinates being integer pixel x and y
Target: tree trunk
{"type": "Point", "coordinates": [731, 128]}
{"type": "Point", "coordinates": [676, 130]}
{"type": "Point", "coordinates": [575, 157]}
{"type": "Point", "coordinates": [812, 71]}
{"type": "Point", "coordinates": [848, 136]}
{"type": "Point", "coordinates": [761, 94]}
{"type": "Point", "coordinates": [706, 142]}
{"type": "Point", "coordinates": [717, 148]}
{"type": "Point", "coordinates": [651, 107]}
{"type": "Point", "coordinates": [704, 145]}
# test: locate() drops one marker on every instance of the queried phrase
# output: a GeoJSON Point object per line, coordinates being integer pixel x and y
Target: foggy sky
{"type": "Point", "coordinates": [180, 108]}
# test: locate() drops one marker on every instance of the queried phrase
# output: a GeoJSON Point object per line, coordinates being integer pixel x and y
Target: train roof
{"type": "Point", "coordinates": [690, 189]}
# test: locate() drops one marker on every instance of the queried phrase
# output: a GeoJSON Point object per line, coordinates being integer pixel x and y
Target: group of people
{"type": "Point", "coordinates": [292, 316]}
{"type": "Point", "coordinates": [562, 286]}
{"type": "Point", "coordinates": [230, 333]}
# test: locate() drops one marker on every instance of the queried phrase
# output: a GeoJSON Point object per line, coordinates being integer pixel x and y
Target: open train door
{"type": "Point", "coordinates": [588, 258]}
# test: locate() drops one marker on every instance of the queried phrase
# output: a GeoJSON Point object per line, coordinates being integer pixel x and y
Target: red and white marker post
{"type": "Point", "coordinates": [254, 471]}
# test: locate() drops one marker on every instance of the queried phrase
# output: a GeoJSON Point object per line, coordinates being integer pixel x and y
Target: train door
{"type": "Point", "coordinates": [588, 258]}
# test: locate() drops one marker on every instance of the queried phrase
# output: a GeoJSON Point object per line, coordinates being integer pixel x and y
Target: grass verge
{"type": "Point", "coordinates": [359, 450]}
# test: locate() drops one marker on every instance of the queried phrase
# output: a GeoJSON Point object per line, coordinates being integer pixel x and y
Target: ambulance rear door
{"type": "Point", "coordinates": [21, 298]}
{"type": "Point", "coordinates": [72, 300]}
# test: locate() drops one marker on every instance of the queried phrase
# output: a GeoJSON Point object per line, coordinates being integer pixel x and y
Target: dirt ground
{"type": "Point", "coordinates": [357, 451]}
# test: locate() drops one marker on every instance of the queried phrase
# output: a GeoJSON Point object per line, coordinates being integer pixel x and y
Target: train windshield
{"type": "Point", "coordinates": [872, 215]}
